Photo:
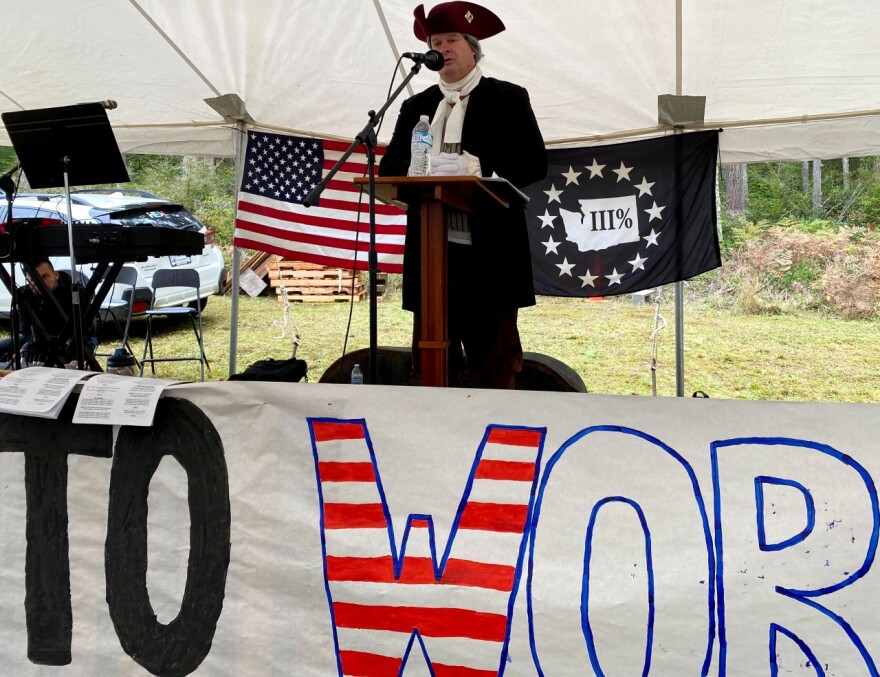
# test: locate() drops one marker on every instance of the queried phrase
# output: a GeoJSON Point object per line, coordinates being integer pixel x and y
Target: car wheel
{"type": "Point", "coordinates": [200, 304]}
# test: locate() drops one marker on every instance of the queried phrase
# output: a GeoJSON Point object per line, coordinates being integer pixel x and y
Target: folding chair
{"type": "Point", "coordinates": [133, 300]}
{"type": "Point", "coordinates": [184, 278]}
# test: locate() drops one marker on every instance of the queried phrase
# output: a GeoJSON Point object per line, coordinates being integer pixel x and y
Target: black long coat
{"type": "Point", "coordinates": [500, 129]}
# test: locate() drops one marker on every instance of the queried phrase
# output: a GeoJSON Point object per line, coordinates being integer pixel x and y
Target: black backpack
{"type": "Point", "coordinates": [291, 371]}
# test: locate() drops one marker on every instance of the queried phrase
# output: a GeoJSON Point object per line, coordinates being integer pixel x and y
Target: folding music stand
{"type": "Point", "coordinates": [67, 146]}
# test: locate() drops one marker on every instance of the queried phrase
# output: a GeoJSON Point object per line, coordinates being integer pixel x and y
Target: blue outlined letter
{"type": "Point", "coordinates": [784, 578]}
{"type": "Point", "coordinates": [620, 520]}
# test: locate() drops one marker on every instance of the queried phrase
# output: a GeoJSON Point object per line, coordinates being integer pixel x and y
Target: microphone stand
{"type": "Point", "coordinates": [367, 138]}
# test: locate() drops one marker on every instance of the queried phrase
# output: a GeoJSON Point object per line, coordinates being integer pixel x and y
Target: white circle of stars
{"type": "Point", "coordinates": [282, 167]}
{"type": "Point", "coordinates": [596, 170]}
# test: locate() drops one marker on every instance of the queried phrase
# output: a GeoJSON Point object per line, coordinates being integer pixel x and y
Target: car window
{"type": "Point", "coordinates": [171, 216]}
{"type": "Point", "coordinates": [31, 213]}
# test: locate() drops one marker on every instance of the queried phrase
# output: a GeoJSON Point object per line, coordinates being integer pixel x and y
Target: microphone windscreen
{"type": "Point", "coordinates": [434, 60]}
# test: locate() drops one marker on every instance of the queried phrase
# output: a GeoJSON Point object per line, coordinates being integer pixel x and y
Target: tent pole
{"type": "Point", "coordinates": [679, 339]}
{"type": "Point", "coordinates": [679, 286]}
{"type": "Point", "coordinates": [241, 135]}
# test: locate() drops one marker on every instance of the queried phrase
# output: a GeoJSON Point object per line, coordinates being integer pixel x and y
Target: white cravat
{"type": "Point", "coordinates": [449, 117]}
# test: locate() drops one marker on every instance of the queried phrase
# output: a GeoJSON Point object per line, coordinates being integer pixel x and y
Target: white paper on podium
{"type": "Point", "coordinates": [38, 391]}
{"type": "Point", "coordinates": [112, 399]}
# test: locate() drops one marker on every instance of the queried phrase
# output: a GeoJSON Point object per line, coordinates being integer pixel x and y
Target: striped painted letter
{"type": "Point", "coordinates": [386, 603]}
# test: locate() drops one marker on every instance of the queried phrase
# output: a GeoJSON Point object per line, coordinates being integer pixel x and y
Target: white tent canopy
{"type": "Point", "coordinates": [785, 79]}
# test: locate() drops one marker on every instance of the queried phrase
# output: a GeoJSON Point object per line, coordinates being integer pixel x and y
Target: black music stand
{"type": "Point", "coordinates": [67, 146]}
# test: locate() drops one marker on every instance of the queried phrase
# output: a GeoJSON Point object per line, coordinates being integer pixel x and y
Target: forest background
{"type": "Point", "coordinates": [795, 236]}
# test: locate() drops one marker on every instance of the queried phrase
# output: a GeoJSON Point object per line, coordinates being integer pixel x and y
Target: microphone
{"type": "Point", "coordinates": [432, 59]}
{"type": "Point", "coordinates": [12, 171]}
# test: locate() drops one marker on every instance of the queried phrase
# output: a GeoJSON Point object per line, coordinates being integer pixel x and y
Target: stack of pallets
{"type": "Point", "coordinates": [312, 283]}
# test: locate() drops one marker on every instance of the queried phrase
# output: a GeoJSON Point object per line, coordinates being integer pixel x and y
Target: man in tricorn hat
{"type": "Point", "coordinates": [485, 127]}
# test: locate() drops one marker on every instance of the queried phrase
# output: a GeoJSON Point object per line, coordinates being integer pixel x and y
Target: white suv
{"type": "Point", "coordinates": [124, 208]}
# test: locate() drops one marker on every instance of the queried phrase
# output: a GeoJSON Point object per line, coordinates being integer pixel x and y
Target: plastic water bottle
{"type": "Point", "coordinates": [357, 376]}
{"type": "Point", "coordinates": [122, 362]}
{"type": "Point", "coordinates": [420, 148]}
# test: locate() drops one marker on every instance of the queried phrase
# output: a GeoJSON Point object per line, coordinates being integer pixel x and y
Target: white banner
{"type": "Point", "coordinates": [304, 529]}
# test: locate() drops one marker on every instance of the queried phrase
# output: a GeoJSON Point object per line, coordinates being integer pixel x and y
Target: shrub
{"type": "Point", "coordinates": [814, 265]}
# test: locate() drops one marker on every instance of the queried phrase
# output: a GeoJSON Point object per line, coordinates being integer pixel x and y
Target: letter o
{"type": "Point", "coordinates": [184, 432]}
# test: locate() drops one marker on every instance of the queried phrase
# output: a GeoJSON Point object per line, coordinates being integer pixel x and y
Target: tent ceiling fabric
{"type": "Point", "coordinates": [786, 79]}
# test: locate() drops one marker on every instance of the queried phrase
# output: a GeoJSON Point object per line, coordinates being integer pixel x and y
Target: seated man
{"type": "Point", "coordinates": [41, 321]}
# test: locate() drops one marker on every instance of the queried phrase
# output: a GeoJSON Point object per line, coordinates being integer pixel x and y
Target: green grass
{"type": "Point", "coordinates": [802, 357]}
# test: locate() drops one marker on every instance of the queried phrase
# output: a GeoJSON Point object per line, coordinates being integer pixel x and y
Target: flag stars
{"type": "Point", "coordinates": [565, 267]}
{"type": "Point", "coordinates": [588, 280]}
{"type": "Point", "coordinates": [638, 263]}
{"type": "Point", "coordinates": [553, 194]}
{"type": "Point", "coordinates": [547, 219]}
{"type": "Point", "coordinates": [623, 172]}
{"type": "Point", "coordinates": [275, 163]}
{"type": "Point", "coordinates": [571, 176]}
{"type": "Point", "coordinates": [595, 169]}
{"type": "Point", "coordinates": [614, 278]}
{"type": "Point", "coordinates": [654, 212]}
{"type": "Point", "coordinates": [645, 187]}
{"type": "Point", "coordinates": [651, 238]}
{"type": "Point", "coordinates": [551, 246]}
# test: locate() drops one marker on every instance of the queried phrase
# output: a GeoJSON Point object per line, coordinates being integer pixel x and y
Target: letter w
{"type": "Point", "coordinates": [457, 611]}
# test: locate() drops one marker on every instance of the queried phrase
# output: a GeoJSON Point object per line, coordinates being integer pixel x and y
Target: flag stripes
{"type": "Point", "coordinates": [353, 515]}
{"type": "Point", "coordinates": [364, 663]}
{"type": "Point", "coordinates": [517, 471]}
{"type": "Point", "coordinates": [420, 570]}
{"type": "Point", "coordinates": [279, 173]}
{"type": "Point", "coordinates": [494, 517]}
{"type": "Point", "coordinates": [430, 622]}
{"type": "Point", "coordinates": [334, 471]}
{"type": "Point", "coordinates": [386, 601]}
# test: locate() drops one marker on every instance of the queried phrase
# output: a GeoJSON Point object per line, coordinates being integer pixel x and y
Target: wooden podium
{"type": "Point", "coordinates": [436, 194]}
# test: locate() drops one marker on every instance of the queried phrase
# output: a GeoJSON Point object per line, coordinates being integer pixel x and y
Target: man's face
{"type": "Point", "coordinates": [48, 275]}
{"type": "Point", "coordinates": [459, 57]}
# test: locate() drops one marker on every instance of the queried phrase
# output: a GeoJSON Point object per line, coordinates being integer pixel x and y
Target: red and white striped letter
{"type": "Point", "coordinates": [455, 608]}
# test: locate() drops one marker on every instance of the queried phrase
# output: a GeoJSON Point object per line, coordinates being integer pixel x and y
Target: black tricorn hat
{"type": "Point", "coordinates": [456, 17]}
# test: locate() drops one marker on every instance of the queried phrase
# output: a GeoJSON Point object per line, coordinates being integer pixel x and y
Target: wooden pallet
{"type": "Point", "coordinates": [335, 298]}
{"type": "Point", "coordinates": [309, 282]}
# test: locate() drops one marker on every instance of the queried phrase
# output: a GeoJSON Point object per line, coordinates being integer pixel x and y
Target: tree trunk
{"type": "Point", "coordinates": [845, 172]}
{"type": "Point", "coordinates": [736, 180]}
{"type": "Point", "coordinates": [805, 177]}
{"type": "Point", "coordinates": [817, 185]}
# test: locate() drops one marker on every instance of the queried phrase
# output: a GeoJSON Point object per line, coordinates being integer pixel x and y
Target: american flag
{"type": "Point", "coordinates": [280, 170]}
{"type": "Point", "coordinates": [388, 604]}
